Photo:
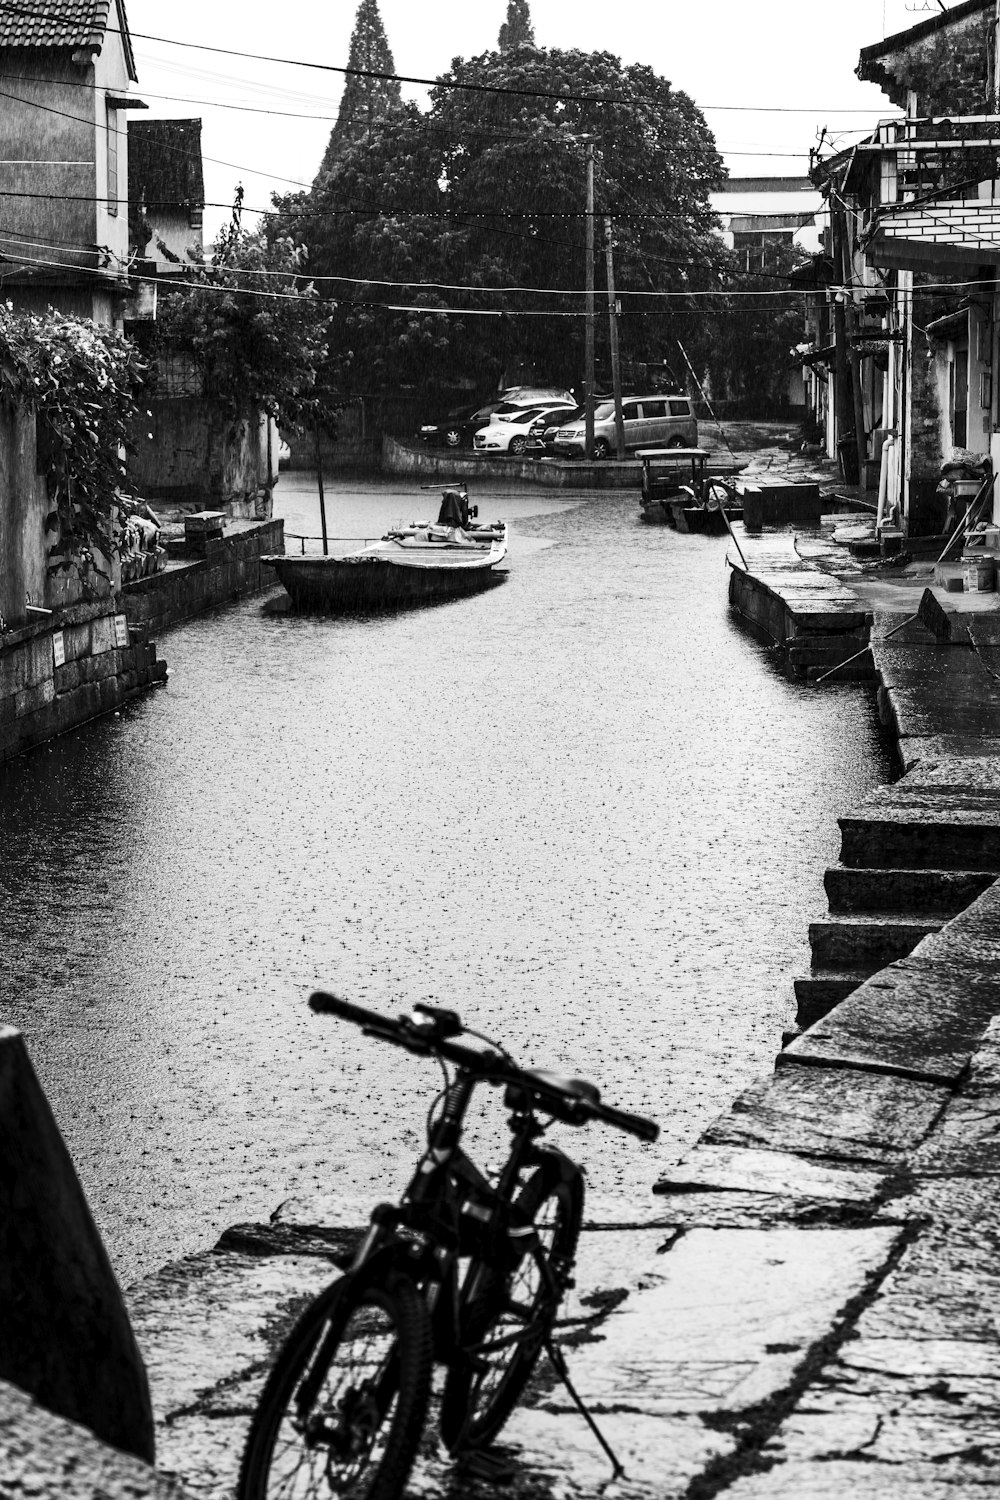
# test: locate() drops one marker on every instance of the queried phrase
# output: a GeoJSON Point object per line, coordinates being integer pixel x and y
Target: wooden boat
{"type": "Point", "coordinates": [410, 564]}
{"type": "Point", "coordinates": [679, 489]}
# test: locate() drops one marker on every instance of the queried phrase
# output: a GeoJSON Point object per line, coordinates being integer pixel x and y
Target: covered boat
{"type": "Point", "coordinates": [453, 555]}
{"type": "Point", "coordinates": [681, 489]}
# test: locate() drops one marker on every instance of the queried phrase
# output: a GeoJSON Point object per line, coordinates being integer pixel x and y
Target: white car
{"type": "Point", "coordinates": [517, 431]}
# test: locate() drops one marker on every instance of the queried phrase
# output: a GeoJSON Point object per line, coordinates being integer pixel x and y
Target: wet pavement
{"type": "Point", "coordinates": [584, 807]}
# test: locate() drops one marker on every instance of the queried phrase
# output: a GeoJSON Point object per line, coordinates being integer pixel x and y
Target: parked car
{"type": "Point", "coordinates": [458, 427]}
{"type": "Point", "coordinates": [536, 395]}
{"type": "Point", "coordinates": [650, 422]}
{"type": "Point", "coordinates": [517, 430]}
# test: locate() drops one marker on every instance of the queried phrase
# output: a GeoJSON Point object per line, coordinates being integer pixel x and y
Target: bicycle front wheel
{"type": "Point", "coordinates": [342, 1411]}
{"type": "Point", "coordinates": [507, 1318]}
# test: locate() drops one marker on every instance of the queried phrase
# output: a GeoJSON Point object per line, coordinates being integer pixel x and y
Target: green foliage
{"type": "Point", "coordinates": [253, 323]}
{"type": "Point", "coordinates": [364, 100]}
{"type": "Point", "coordinates": [517, 30]}
{"type": "Point", "coordinates": [80, 380]}
{"type": "Point", "coordinates": [487, 191]}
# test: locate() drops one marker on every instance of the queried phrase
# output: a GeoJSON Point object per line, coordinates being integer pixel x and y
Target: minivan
{"type": "Point", "coordinates": [650, 422]}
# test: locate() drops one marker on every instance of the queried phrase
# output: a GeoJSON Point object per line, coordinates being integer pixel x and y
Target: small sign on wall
{"type": "Point", "coordinates": [121, 630]}
{"type": "Point", "coordinates": [58, 649]}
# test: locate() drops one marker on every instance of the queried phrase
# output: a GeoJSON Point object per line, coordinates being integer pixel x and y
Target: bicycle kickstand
{"type": "Point", "coordinates": [558, 1362]}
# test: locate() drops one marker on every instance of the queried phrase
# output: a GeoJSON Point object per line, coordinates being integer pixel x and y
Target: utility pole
{"type": "Point", "coordinates": [616, 376]}
{"type": "Point", "coordinates": [588, 357]}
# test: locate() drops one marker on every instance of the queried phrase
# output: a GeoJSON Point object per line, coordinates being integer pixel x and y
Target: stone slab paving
{"type": "Point", "coordinates": [45, 1456]}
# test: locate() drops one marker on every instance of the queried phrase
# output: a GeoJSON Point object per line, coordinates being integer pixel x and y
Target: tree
{"type": "Point", "coordinates": [517, 30]}
{"type": "Point", "coordinates": [485, 193]}
{"type": "Point", "coordinates": [256, 327]}
{"type": "Point", "coordinates": [365, 99]}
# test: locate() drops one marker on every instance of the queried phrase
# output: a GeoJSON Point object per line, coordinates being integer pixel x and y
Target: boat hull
{"type": "Point", "coordinates": [337, 584]}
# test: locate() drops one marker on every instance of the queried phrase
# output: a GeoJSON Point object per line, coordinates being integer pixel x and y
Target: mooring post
{"type": "Point", "coordinates": [65, 1335]}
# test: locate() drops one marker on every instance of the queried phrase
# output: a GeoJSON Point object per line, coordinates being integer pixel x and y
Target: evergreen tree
{"type": "Point", "coordinates": [364, 100]}
{"type": "Point", "coordinates": [517, 30]}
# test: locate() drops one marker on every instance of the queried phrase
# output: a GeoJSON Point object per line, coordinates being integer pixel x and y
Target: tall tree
{"type": "Point", "coordinates": [365, 99]}
{"type": "Point", "coordinates": [457, 212]}
{"type": "Point", "coordinates": [517, 29]}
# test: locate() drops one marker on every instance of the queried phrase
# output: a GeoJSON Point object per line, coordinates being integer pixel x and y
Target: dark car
{"type": "Point", "coordinates": [458, 427]}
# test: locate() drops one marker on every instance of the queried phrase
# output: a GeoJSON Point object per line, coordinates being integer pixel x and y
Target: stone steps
{"type": "Point", "coordinates": [950, 838]}
{"type": "Point", "coordinates": [913, 856]}
{"type": "Point", "coordinates": [817, 993]}
{"type": "Point", "coordinates": [868, 940]}
{"type": "Point", "coordinates": [945, 892]}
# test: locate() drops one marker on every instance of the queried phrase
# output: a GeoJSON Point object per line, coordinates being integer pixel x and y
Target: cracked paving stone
{"type": "Point", "coordinates": [211, 1318]}
{"type": "Point", "coordinates": [862, 1480]}
{"type": "Point", "coordinates": [893, 1419]}
{"type": "Point", "coordinates": [724, 1319]}
{"type": "Point", "coordinates": [916, 1018]}
{"type": "Point", "coordinates": [779, 1172]}
{"type": "Point", "coordinates": [866, 1118]}
{"type": "Point", "coordinates": [947, 1283]}
{"type": "Point", "coordinates": [967, 1139]}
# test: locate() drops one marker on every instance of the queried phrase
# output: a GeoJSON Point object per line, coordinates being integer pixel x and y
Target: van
{"type": "Point", "coordinates": [660, 421]}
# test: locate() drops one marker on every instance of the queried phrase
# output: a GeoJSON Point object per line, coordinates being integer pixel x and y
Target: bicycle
{"type": "Point", "coordinates": [461, 1273]}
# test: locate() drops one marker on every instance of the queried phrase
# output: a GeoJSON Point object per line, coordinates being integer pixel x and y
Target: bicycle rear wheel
{"type": "Point", "coordinates": [342, 1411]}
{"type": "Point", "coordinates": [507, 1318]}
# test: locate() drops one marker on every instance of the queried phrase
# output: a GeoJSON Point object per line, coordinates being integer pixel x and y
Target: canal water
{"type": "Point", "coordinates": [583, 808]}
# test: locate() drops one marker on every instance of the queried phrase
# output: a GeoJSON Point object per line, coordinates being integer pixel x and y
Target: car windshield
{"type": "Point", "coordinates": [563, 418]}
{"type": "Point", "coordinates": [604, 412]}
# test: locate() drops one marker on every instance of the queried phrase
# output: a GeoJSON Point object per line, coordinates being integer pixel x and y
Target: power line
{"type": "Point", "coordinates": [438, 83]}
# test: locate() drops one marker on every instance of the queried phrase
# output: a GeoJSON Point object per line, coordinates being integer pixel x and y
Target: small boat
{"type": "Point", "coordinates": [453, 555]}
{"type": "Point", "coordinates": [680, 490]}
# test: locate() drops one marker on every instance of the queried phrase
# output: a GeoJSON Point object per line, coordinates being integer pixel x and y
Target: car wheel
{"type": "Point", "coordinates": [677, 442]}
{"type": "Point", "coordinates": [602, 448]}
{"type": "Point", "coordinates": [518, 445]}
{"type": "Point", "coordinates": [453, 438]}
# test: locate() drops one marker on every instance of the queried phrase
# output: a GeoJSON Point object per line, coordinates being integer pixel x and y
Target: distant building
{"type": "Point", "coordinates": [757, 212]}
{"type": "Point", "coordinates": [166, 192]}
{"type": "Point", "coordinates": [63, 156]}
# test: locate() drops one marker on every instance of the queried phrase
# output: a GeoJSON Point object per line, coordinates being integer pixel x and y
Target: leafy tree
{"type": "Point", "coordinates": [364, 100]}
{"type": "Point", "coordinates": [486, 192]}
{"type": "Point", "coordinates": [256, 327]}
{"type": "Point", "coordinates": [517, 30]}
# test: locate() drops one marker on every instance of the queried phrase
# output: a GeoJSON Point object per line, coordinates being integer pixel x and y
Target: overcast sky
{"type": "Point", "coordinates": [782, 55]}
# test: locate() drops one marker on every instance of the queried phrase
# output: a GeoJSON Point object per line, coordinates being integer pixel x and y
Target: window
{"type": "Point", "coordinates": [654, 408]}
{"type": "Point", "coordinates": [630, 411]}
{"type": "Point", "coordinates": [680, 409]}
{"type": "Point", "coordinates": [112, 137]}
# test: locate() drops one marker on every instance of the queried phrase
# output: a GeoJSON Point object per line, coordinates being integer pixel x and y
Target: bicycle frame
{"type": "Point", "coordinates": [456, 1214]}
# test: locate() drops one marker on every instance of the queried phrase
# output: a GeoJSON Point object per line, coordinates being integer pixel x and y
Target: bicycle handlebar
{"type": "Point", "coordinates": [424, 1038]}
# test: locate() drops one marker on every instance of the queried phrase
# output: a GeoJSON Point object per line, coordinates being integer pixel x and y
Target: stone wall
{"type": "Point", "coordinates": [187, 452]}
{"type": "Point", "coordinates": [229, 569]}
{"type": "Point", "coordinates": [56, 675]}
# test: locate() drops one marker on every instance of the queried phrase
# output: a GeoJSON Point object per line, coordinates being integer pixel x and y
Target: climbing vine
{"type": "Point", "coordinates": [81, 381]}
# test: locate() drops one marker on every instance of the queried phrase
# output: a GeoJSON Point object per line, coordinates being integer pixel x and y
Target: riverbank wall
{"type": "Point", "coordinates": [226, 568]}
{"type": "Point", "coordinates": [55, 674]}
{"type": "Point", "coordinates": [87, 659]}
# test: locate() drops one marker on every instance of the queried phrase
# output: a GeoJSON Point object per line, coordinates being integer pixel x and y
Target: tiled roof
{"type": "Point", "coordinates": [64, 23]}
{"type": "Point", "coordinates": [164, 163]}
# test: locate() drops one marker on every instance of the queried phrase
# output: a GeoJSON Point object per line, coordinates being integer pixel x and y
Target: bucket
{"type": "Point", "coordinates": [980, 573]}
